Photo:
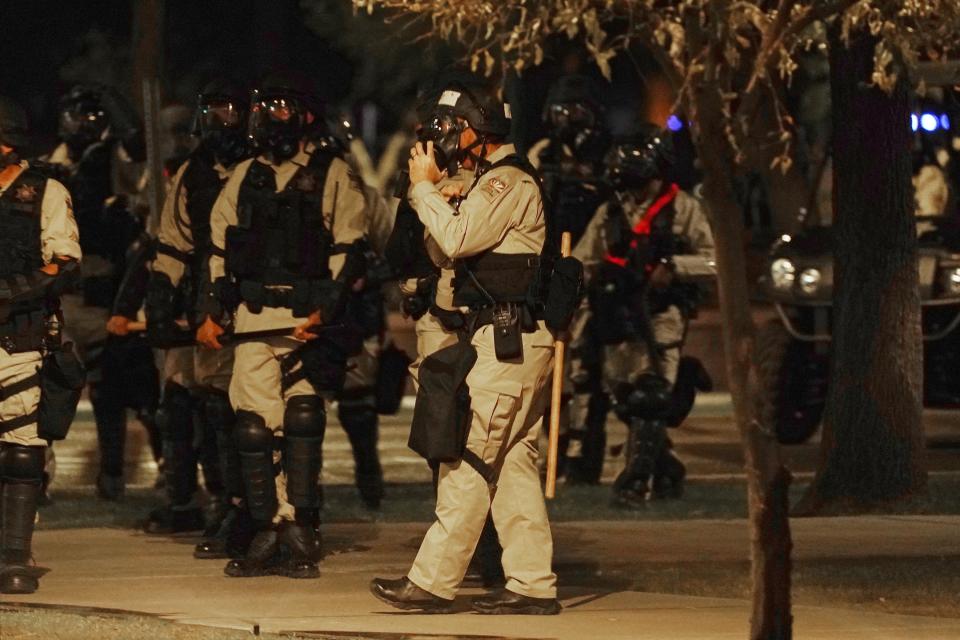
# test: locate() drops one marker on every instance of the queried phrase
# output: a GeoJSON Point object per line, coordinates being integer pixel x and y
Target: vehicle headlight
{"type": "Point", "coordinates": [951, 281]}
{"type": "Point", "coordinates": [809, 280]}
{"type": "Point", "coordinates": [782, 273]}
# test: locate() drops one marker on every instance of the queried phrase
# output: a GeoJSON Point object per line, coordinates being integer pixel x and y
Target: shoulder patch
{"type": "Point", "coordinates": [25, 193]}
{"type": "Point", "coordinates": [493, 187]}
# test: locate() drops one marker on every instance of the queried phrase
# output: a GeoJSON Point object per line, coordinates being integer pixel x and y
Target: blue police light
{"type": "Point", "coordinates": [674, 123]}
{"type": "Point", "coordinates": [945, 122]}
{"type": "Point", "coordinates": [929, 122]}
{"type": "Point", "coordinates": [914, 121]}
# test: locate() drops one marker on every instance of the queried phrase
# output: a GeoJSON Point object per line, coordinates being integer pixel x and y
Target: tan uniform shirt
{"type": "Point", "coordinates": [175, 224]}
{"type": "Point", "coordinates": [343, 213]}
{"type": "Point", "coordinates": [502, 213]}
{"type": "Point", "coordinates": [59, 237]}
{"type": "Point", "coordinates": [689, 221]}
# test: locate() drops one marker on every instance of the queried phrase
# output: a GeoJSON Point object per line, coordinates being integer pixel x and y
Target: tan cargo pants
{"type": "Point", "coordinates": [255, 386]}
{"type": "Point", "coordinates": [14, 368]}
{"type": "Point", "coordinates": [507, 401]}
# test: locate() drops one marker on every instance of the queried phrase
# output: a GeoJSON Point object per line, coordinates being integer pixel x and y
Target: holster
{"type": "Point", "coordinates": [441, 416]}
{"type": "Point", "coordinates": [62, 378]}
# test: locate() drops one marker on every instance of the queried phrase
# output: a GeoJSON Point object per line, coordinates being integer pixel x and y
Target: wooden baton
{"type": "Point", "coordinates": [559, 348]}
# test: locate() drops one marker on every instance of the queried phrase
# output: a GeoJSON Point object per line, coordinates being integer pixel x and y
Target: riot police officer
{"type": "Point", "coordinates": [196, 380]}
{"type": "Point", "coordinates": [571, 160]}
{"type": "Point", "coordinates": [286, 230]}
{"type": "Point", "coordinates": [39, 250]}
{"type": "Point", "coordinates": [494, 236]}
{"type": "Point", "coordinates": [101, 142]}
{"type": "Point", "coordinates": [645, 252]}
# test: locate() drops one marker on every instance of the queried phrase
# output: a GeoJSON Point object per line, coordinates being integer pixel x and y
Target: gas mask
{"type": "Point", "coordinates": [571, 123]}
{"type": "Point", "coordinates": [220, 124]}
{"type": "Point", "coordinates": [277, 125]}
{"type": "Point", "coordinates": [632, 166]}
{"type": "Point", "coordinates": [444, 130]}
{"type": "Point", "coordinates": [82, 125]}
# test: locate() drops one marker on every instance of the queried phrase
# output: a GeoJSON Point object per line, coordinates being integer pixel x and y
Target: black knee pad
{"type": "Point", "coordinates": [255, 446]}
{"type": "Point", "coordinates": [217, 411]}
{"type": "Point", "coordinates": [175, 415]}
{"type": "Point", "coordinates": [649, 398]}
{"type": "Point", "coordinates": [219, 417]}
{"type": "Point", "coordinates": [20, 464]}
{"type": "Point", "coordinates": [304, 425]}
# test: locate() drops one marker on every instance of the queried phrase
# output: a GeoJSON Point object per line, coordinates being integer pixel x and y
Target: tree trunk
{"type": "Point", "coordinates": [768, 481]}
{"type": "Point", "coordinates": [872, 448]}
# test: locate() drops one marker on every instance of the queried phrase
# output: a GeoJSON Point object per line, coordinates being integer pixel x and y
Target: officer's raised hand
{"type": "Point", "coordinates": [208, 333]}
{"type": "Point", "coordinates": [422, 165]}
{"type": "Point", "coordinates": [302, 332]}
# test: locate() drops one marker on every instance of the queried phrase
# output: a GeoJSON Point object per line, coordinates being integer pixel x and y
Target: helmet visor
{"type": "Point", "coordinates": [74, 121]}
{"type": "Point", "coordinates": [573, 115]}
{"type": "Point", "coordinates": [216, 116]}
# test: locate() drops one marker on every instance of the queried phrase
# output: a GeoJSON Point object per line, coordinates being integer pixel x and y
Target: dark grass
{"type": "Point", "coordinates": [79, 508]}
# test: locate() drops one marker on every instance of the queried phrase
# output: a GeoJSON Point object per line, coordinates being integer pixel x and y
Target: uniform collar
{"type": "Point", "coordinates": [501, 153]}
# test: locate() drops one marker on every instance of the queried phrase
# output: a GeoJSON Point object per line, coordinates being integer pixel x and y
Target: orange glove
{"type": "Point", "coordinates": [208, 333]}
{"type": "Point", "coordinates": [302, 333]}
{"type": "Point", "coordinates": [118, 325]}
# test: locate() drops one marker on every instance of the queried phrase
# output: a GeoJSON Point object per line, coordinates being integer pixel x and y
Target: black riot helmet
{"type": "Point", "coordinates": [13, 130]}
{"type": "Point", "coordinates": [573, 111]}
{"type": "Point", "coordinates": [221, 119]}
{"type": "Point", "coordinates": [83, 118]}
{"type": "Point", "coordinates": [636, 159]}
{"type": "Point", "coordinates": [462, 102]}
{"type": "Point", "coordinates": [284, 110]}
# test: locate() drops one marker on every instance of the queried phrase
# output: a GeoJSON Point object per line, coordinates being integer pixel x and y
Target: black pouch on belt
{"type": "Point", "coordinates": [507, 334]}
{"type": "Point", "coordinates": [441, 417]}
{"type": "Point", "coordinates": [62, 378]}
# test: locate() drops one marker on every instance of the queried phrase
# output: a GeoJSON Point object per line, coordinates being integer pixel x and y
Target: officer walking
{"type": "Point", "coordinates": [645, 253]}
{"type": "Point", "coordinates": [285, 233]}
{"type": "Point", "coordinates": [39, 250]}
{"type": "Point", "coordinates": [495, 238]}
{"type": "Point", "coordinates": [196, 380]}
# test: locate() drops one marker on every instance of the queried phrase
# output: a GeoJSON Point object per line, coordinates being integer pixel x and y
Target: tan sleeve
{"type": "Point", "coordinates": [223, 215]}
{"type": "Point", "coordinates": [59, 236]}
{"type": "Point", "coordinates": [592, 247]}
{"type": "Point", "coordinates": [691, 222]}
{"type": "Point", "coordinates": [485, 216]}
{"type": "Point", "coordinates": [344, 205]}
{"type": "Point", "coordinates": [174, 228]}
{"type": "Point", "coordinates": [380, 219]}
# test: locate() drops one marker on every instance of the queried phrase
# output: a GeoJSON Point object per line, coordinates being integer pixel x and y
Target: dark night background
{"type": "Point", "coordinates": [363, 67]}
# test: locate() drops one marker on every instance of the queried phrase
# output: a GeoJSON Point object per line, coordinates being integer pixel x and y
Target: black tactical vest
{"type": "Point", "coordinates": [20, 254]}
{"type": "Point", "coordinates": [90, 184]}
{"type": "Point", "coordinates": [490, 278]}
{"type": "Point", "coordinates": [202, 183]}
{"type": "Point", "coordinates": [280, 238]}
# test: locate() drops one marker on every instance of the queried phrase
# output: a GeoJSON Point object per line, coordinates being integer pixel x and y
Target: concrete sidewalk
{"type": "Point", "coordinates": [117, 569]}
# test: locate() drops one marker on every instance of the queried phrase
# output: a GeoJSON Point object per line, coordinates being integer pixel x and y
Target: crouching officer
{"type": "Point", "coordinates": [645, 252]}
{"type": "Point", "coordinates": [39, 250]}
{"type": "Point", "coordinates": [196, 380]}
{"type": "Point", "coordinates": [285, 230]}
{"type": "Point", "coordinates": [495, 236]}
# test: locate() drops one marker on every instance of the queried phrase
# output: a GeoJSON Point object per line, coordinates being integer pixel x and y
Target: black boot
{"type": "Point", "coordinates": [231, 539]}
{"type": "Point", "coordinates": [669, 474]}
{"type": "Point", "coordinates": [405, 595]}
{"type": "Point", "coordinates": [303, 546]}
{"type": "Point", "coordinates": [175, 419]}
{"type": "Point", "coordinates": [263, 557]}
{"type": "Point", "coordinates": [486, 567]}
{"type": "Point", "coordinates": [646, 440]}
{"type": "Point", "coordinates": [505, 602]}
{"type": "Point", "coordinates": [21, 469]}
